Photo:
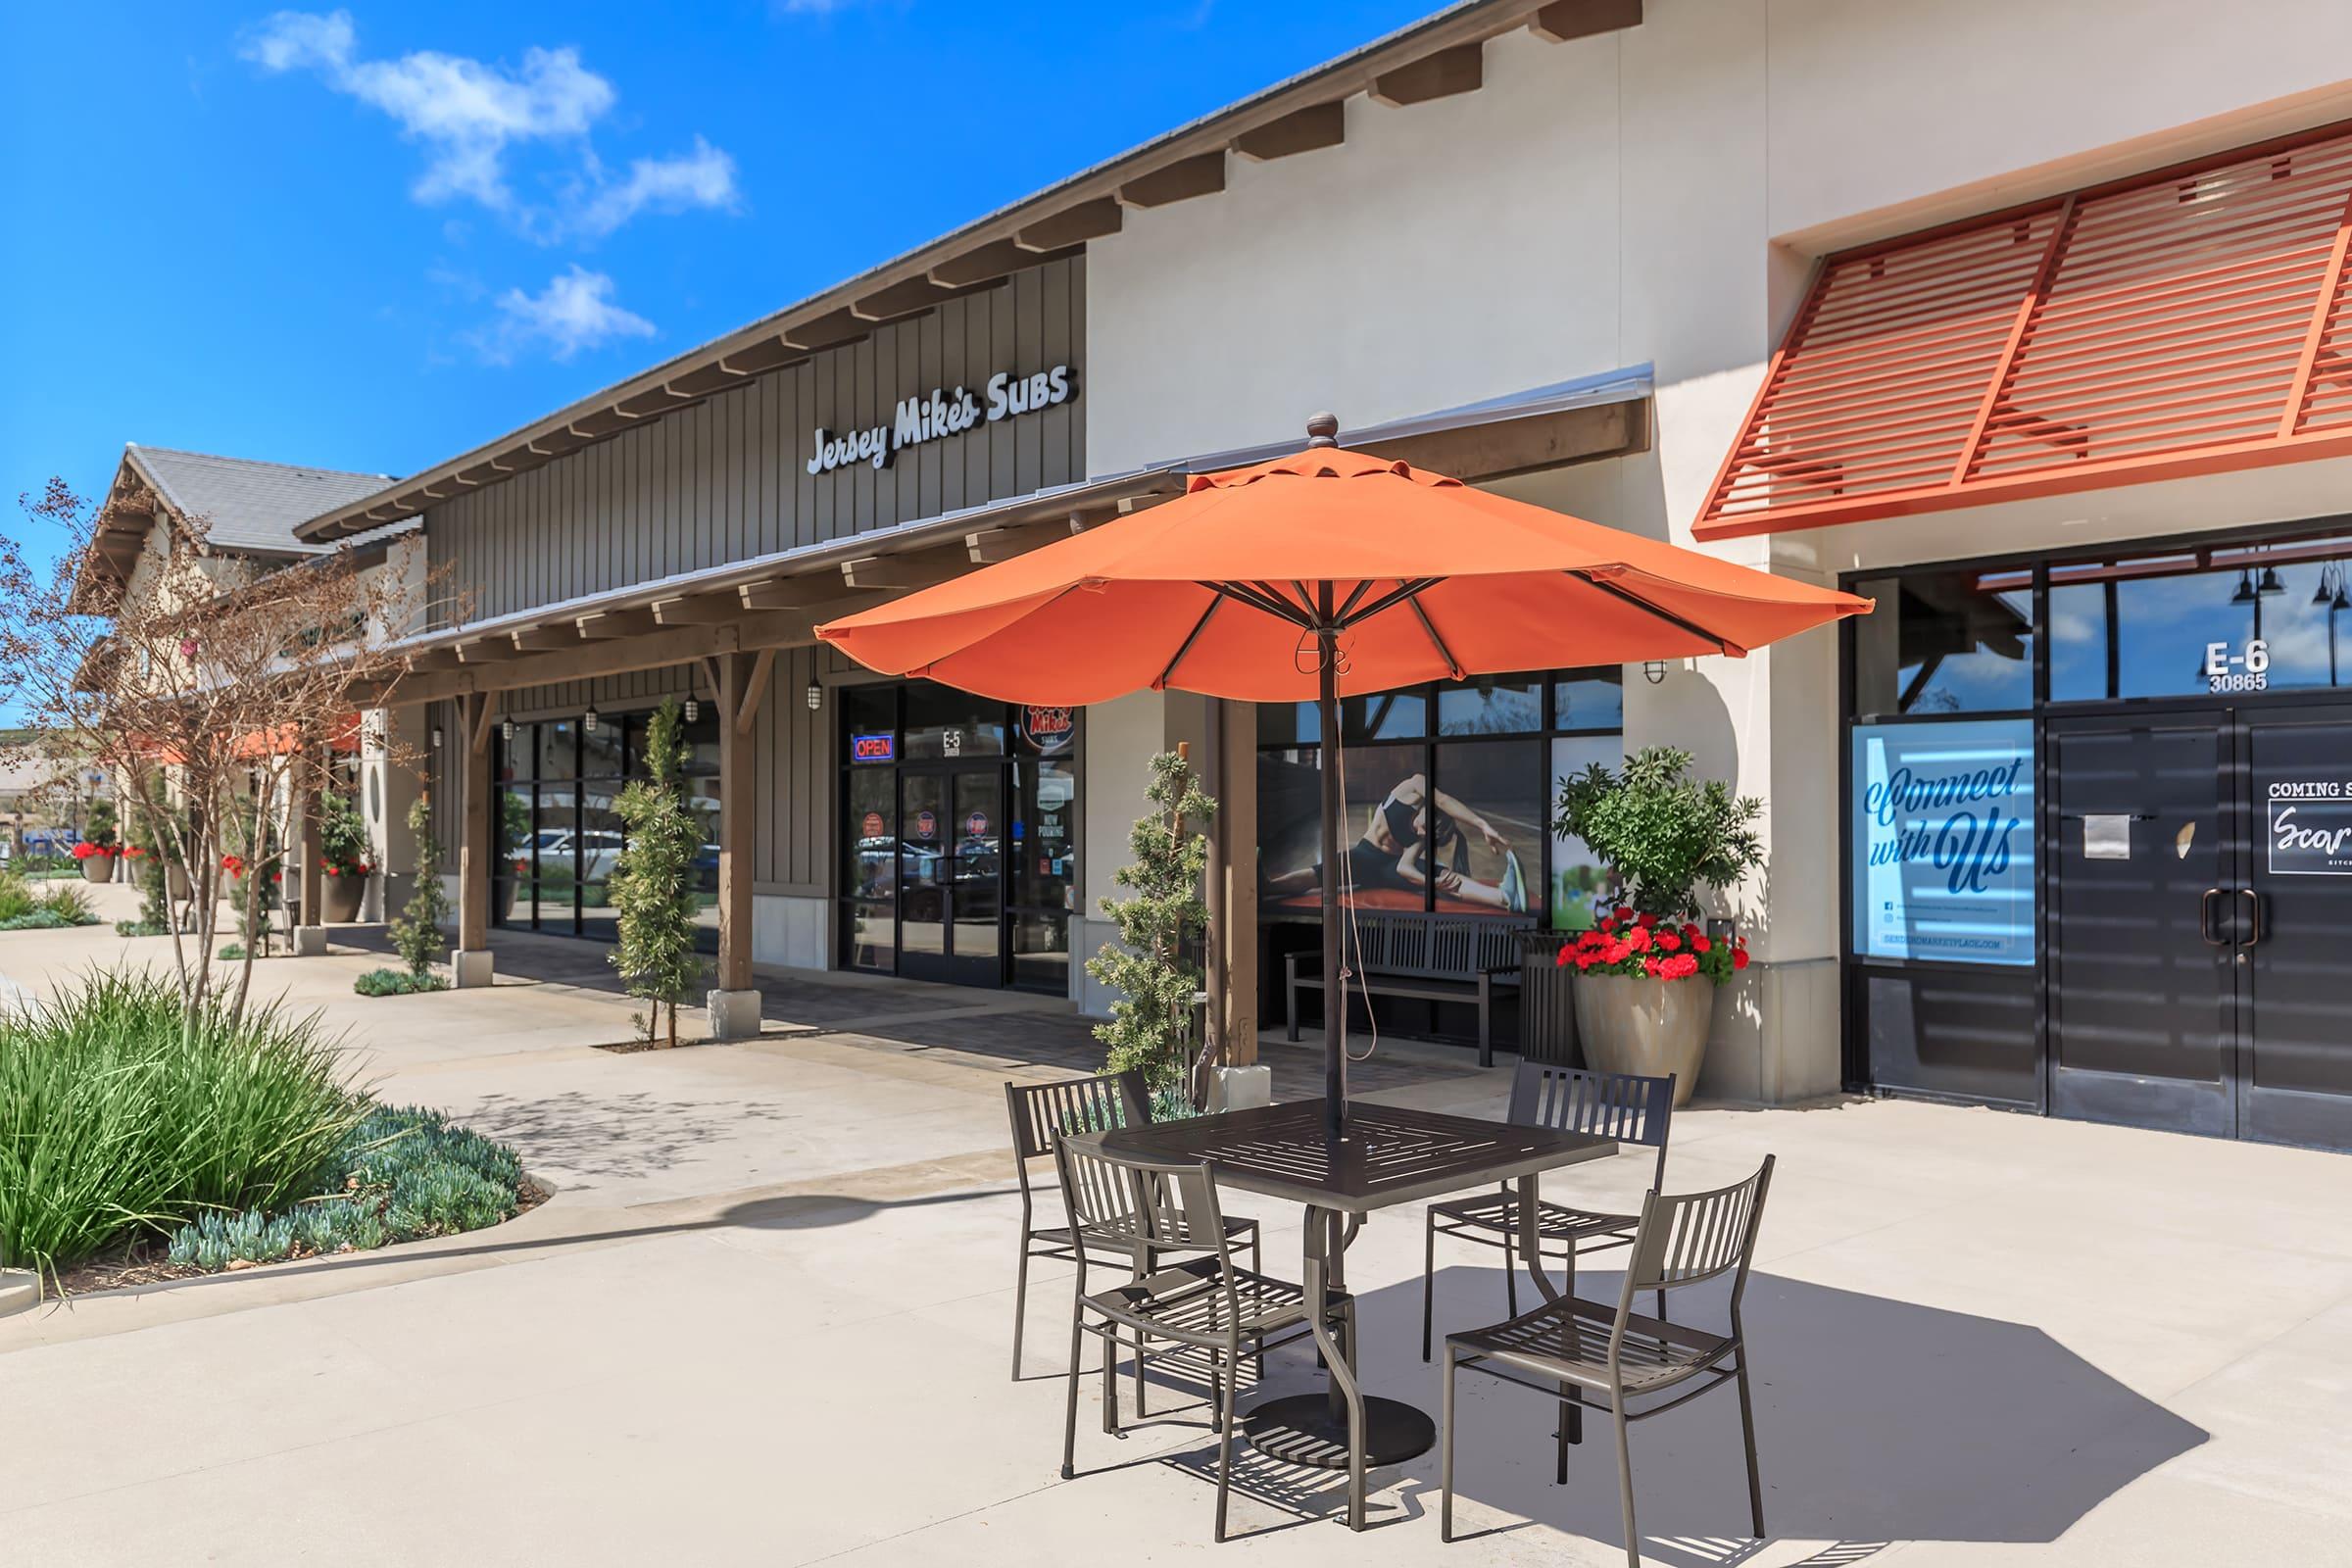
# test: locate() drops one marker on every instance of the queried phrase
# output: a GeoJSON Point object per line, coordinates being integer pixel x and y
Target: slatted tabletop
{"type": "Point", "coordinates": [1393, 1153]}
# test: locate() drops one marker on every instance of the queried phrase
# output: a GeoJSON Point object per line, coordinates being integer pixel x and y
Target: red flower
{"type": "Point", "coordinates": [1640, 939]}
{"type": "Point", "coordinates": [232, 865]}
{"type": "Point", "coordinates": [1616, 953]}
{"type": "Point", "coordinates": [1560, 959]}
{"type": "Point", "coordinates": [1691, 933]}
{"type": "Point", "coordinates": [278, 876]}
{"type": "Point", "coordinates": [1608, 924]}
{"type": "Point", "coordinates": [330, 870]}
{"type": "Point", "coordinates": [1650, 966]}
{"type": "Point", "coordinates": [1668, 942]}
{"type": "Point", "coordinates": [1648, 920]}
{"type": "Point", "coordinates": [1701, 943]}
{"type": "Point", "coordinates": [1739, 958]}
{"type": "Point", "coordinates": [1682, 966]}
{"type": "Point", "coordinates": [1584, 962]}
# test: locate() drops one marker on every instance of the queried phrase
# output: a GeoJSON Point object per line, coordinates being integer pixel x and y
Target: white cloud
{"type": "Point", "coordinates": [703, 177]}
{"type": "Point", "coordinates": [470, 116]}
{"type": "Point", "coordinates": [574, 312]}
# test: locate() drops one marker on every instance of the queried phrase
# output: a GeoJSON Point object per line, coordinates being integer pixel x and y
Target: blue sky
{"type": "Point", "coordinates": [373, 237]}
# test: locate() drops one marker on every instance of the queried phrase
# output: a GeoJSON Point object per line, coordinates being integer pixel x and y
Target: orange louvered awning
{"type": "Point", "coordinates": [2189, 321]}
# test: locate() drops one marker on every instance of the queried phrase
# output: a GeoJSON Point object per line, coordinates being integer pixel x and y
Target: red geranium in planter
{"type": "Point", "coordinates": [1645, 946]}
{"type": "Point", "coordinates": [87, 851]}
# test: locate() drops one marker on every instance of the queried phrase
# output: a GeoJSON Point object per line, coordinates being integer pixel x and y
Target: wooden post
{"type": "Point", "coordinates": [478, 844]}
{"type": "Point", "coordinates": [742, 680]}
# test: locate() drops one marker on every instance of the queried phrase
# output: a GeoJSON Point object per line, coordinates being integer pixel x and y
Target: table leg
{"type": "Point", "coordinates": [1325, 1269]}
{"type": "Point", "coordinates": [1572, 1412]}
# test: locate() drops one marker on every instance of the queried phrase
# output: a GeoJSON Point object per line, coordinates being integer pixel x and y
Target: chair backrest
{"type": "Point", "coordinates": [1690, 1238]}
{"type": "Point", "coordinates": [1043, 1114]}
{"type": "Point", "coordinates": [1629, 1107]}
{"type": "Point", "coordinates": [1164, 1205]}
{"type": "Point", "coordinates": [1434, 947]}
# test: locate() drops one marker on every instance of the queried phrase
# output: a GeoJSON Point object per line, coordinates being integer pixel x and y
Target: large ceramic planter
{"type": "Point", "coordinates": [1632, 1023]}
{"type": "Point", "coordinates": [340, 898]}
{"type": "Point", "coordinates": [98, 867]}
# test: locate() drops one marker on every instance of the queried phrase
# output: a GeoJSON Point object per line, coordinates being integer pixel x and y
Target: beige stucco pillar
{"type": "Point", "coordinates": [310, 937]}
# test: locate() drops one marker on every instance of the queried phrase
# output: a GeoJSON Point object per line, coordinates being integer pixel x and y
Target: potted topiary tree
{"type": "Point", "coordinates": [342, 859]}
{"type": "Point", "coordinates": [652, 884]}
{"type": "Point", "coordinates": [1160, 924]}
{"type": "Point", "coordinates": [97, 849]}
{"type": "Point", "coordinates": [1662, 834]}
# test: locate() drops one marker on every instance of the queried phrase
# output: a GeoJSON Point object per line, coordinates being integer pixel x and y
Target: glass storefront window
{"type": "Point", "coordinates": [1590, 699]}
{"type": "Point", "coordinates": [1945, 642]}
{"type": "Point", "coordinates": [601, 750]}
{"type": "Point", "coordinates": [1400, 715]}
{"type": "Point", "coordinates": [1578, 881]}
{"type": "Point", "coordinates": [556, 749]}
{"type": "Point", "coordinates": [1940, 841]}
{"type": "Point", "coordinates": [1487, 819]}
{"type": "Point", "coordinates": [1496, 705]}
{"type": "Point", "coordinates": [2232, 622]}
{"type": "Point", "coordinates": [941, 722]}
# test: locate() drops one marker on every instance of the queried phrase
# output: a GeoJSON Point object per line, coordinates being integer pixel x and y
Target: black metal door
{"type": "Point", "coordinates": [2143, 1015]}
{"type": "Point", "coordinates": [2291, 928]}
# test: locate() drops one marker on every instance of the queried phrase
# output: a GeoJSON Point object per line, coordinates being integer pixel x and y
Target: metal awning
{"type": "Point", "coordinates": [2188, 321]}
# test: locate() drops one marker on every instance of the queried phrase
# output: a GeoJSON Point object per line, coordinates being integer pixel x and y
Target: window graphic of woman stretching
{"type": "Point", "coordinates": [1403, 847]}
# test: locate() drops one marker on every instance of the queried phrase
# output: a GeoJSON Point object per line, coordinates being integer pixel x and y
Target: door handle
{"type": "Point", "coordinates": [2205, 919]}
{"type": "Point", "coordinates": [2253, 916]}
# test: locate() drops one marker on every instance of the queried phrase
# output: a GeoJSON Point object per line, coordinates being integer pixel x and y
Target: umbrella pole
{"type": "Point", "coordinates": [1334, 999]}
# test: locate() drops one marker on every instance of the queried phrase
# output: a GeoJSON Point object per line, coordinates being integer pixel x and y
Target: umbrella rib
{"type": "Point", "coordinates": [1301, 612]}
{"type": "Point", "coordinates": [1355, 597]}
{"type": "Point", "coordinates": [1403, 591]}
{"type": "Point", "coordinates": [1667, 616]}
{"type": "Point", "coordinates": [1454, 666]}
{"type": "Point", "coordinates": [1258, 599]}
{"type": "Point", "coordinates": [1186, 647]}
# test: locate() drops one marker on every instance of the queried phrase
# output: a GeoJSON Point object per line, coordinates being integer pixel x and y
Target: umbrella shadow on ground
{"type": "Point", "coordinates": [615, 1136]}
{"type": "Point", "coordinates": [1877, 1421]}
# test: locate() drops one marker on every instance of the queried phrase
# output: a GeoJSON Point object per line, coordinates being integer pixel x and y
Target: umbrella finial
{"type": "Point", "coordinates": [1323, 430]}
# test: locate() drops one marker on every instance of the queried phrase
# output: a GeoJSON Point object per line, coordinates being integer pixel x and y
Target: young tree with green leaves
{"type": "Point", "coordinates": [1661, 831]}
{"type": "Point", "coordinates": [417, 934]}
{"type": "Point", "coordinates": [1151, 968]}
{"type": "Point", "coordinates": [652, 888]}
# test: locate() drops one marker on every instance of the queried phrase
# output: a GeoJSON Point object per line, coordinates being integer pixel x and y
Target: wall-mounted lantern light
{"type": "Point", "coordinates": [1653, 670]}
{"type": "Point", "coordinates": [816, 697]}
{"type": "Point", "coordinates": [588, 721]}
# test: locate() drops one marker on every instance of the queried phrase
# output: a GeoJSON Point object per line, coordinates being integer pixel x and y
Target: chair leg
{"type": "Point", "coordinates": [1446, 1452]}
{"type": "Point", "coordinates": [1747, 1431]}
{"type": "Point", "coordinates": [1625, 1482]}
{"type": "Point", "coordinates": [1144, 1262]}
{"type": "Point", "coordinates": [1429, 1274]}
{"type": "Point", "coordinates": [1233, 1370]}
{"type": "Point", "coordinates": [1560, 1438]}
{"type": "Point", "coordinates": [1111, 1380]}
{"type": "Point", "coordinates": [1257, 1258]}
{"type": "Point", "coordinates": [1511, 1273]}
{"type": "Point", "coordinates": [1069, 1425]}
{"type": "Point", "coordinates": [1020, 1307]}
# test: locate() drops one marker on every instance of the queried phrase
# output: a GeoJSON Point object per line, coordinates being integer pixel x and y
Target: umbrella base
{"type": "Point", "coordinates": [1301, 1429]}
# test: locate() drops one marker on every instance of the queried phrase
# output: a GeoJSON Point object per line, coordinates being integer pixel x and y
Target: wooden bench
{"type": "Point", "coordinates": [1431, 958]}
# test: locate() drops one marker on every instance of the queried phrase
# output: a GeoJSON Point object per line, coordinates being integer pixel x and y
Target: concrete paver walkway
{"type": "Point", "coordinates": [766, 1319]}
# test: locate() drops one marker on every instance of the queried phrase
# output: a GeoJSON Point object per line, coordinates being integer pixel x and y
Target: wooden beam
{"type": "Point", "coordinates": [1203, 175]}
{"type": "Point", "coordinates": [828, 330]}
{"type": "Point", "coordinates": [486, 650]}
{"type": "Point", "coordinates": [746, 710]}
{"type": "Point", "coordinates": [480, 738]}
{"type": "Point", "coordinates": [1073, 225]}
{"type": "Point", "coordinates": [546, 639]}
{"type": "Point", "coordinates": [991, 544]}
{"type": "Point", "coordinates": [737, 813]}
{"type": "Point", "coordinates": [476, 845]}
{"type": "Point", "coordinates": [698, 609]}
{"type": "Point", "coordinates": [603, 623]}
{"type": "Point", "coordinates": [1314, 126]}
{"type": "Point", "coordinates": [1566, 20]}
{"type": "Point", "coordinates": [915, 569]}
{"type": "Point", "coordinates": [1461, 69]}
{"type": "Point", "coordinates": [988, 261]}
{"type": "Point", "coordinates": [433, 659]}
{"type": "Point", "coordinates": [902, 298]}
{"type": "Point", "coordinates": [1521, 446]}
{"type": "Point", "coordinates": [788, 593]}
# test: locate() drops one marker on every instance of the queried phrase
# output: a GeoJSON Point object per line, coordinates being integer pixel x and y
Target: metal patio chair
{"type": "Point", "coordinates": [1154, 1207]}
{"type": "Point", "coordinates": [1042, 1114]}
{"type": "Point", "coordinates": [1625, 1106]}
{"type": "Point", "coordinates": [1590, 1352]}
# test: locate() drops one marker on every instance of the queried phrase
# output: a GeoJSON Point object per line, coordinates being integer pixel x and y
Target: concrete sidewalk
{"type": "Point", "coordinates": [766, 1319]}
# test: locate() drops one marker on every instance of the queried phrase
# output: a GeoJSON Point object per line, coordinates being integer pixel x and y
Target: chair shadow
{"type": "Point", "coordinates": [1878, 1421]}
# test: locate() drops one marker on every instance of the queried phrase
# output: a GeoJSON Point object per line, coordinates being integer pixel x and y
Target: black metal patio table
{"type": "Point", "coordinates": [1390, 1154]}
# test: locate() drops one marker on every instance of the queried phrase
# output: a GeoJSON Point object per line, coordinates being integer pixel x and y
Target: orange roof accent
{"type": "Point", "coordinates": [2192, 321]}
{"type": "Point", "coordinates": [1433, 578]}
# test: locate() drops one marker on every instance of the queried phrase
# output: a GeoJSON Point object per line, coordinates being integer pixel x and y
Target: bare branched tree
{"type": "Point", "coordinates": [217, 697]}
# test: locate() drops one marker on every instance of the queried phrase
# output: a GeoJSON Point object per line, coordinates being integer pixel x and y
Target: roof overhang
{"type": "Point", "coordinates": [777, 600]}
{"type": "Point", "coordinates": [1436, 57]}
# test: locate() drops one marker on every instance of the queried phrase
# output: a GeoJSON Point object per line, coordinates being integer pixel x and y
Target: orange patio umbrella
{"type": "Point", "coordinates": [1319, 574]}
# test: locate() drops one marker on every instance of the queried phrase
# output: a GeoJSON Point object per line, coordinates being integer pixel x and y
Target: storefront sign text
{"type": "Point", "coordinates": [2249, 671]}
{"type": "Point", "coordinates": [1049, 729]}
{"type": "Point", "coordinates": [943, 414]}
{"type": "Point", "coordinates": [882, 747]}
{"type": "Point", "coordinates": [2310, 831]}
{"type": "Point", "coordinates": [1941, 841]}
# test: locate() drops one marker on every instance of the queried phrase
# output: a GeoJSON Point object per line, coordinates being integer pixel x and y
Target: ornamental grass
{"type": "Point", "coordinates": [123, 1112]}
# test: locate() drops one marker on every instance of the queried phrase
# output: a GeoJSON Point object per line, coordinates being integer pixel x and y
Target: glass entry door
{"type": "Point", "coordinates": [2201, 900]}
{"type": "Point", "coordinates": [951, 874]}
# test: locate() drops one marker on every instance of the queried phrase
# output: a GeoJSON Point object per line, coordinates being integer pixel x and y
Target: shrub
{"type": "Point", "coordinates": [417, 935]}
{"type": "Point", "coordinates": [653, 886]}
{"type": "Point", "coordinates": [1661, 831]}
{"type": "Point", "coordinates": [56, 908]}
{"type": "Point", "coordinates": [397, 983]}
{"type": "Point", "coordinates": [231, 952]}
{"type": "Point", "coordinates": [125, 1111]}
{"type": "Point", "coordinates": [342, 836]}
{"type": "Point", "coordinates": [1151, 969]}
{"type": "Point", "coordinates": [69, 902]}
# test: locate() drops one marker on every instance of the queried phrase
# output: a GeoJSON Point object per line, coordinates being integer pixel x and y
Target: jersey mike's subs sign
{"type": "Point", "coordinates": [942, 412]}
